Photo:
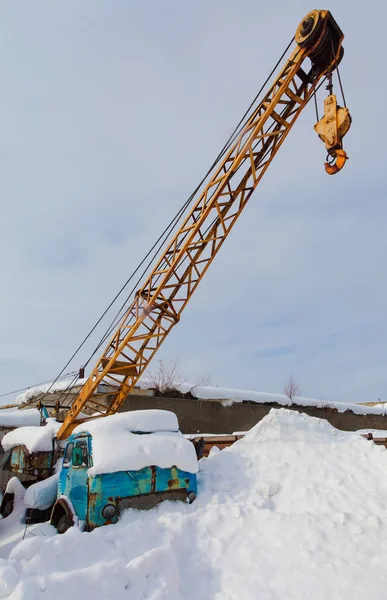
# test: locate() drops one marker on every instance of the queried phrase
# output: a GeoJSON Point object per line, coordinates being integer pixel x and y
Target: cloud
{"type": "Point", "coordinates": [110, 114]}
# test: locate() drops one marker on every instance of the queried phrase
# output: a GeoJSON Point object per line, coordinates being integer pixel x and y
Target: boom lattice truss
{"type": "Point", "coordinates": [159, 303]}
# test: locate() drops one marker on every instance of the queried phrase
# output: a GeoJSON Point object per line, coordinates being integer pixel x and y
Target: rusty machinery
{"type": "Point", "coordinates": [161, 299]}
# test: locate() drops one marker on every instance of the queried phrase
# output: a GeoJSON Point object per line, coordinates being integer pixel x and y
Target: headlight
{"type": "Point", "coordinates": [109, 511]}
{"type": "Point", "coordinates": [191, 497]}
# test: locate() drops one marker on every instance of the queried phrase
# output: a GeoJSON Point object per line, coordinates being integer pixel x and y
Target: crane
{"type": "Point", "coordinates": [159, 302]}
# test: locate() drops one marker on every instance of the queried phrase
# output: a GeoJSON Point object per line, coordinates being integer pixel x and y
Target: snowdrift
{"type": "Point", "coordinates": [296, 509]}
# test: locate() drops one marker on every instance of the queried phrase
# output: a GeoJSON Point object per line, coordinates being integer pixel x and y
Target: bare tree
{"type": "Point", "coordinates": [292, 388]}
{"type": "Point", "coordinates": [204, 380]}
{"type": "Point", "coordinates": [167, 376]}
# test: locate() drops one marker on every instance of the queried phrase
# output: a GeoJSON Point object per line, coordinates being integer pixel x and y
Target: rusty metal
{"type": "Point", "coordinates": [61, 508]}
{"type": "Point", "coordinates": [93, 498]}
{"type": "Point", "coordinates": [153, 479]}
{"type": "Point", "coordinates": [219, 441]}
{"type": "Point", "coordinates": [148, 501]}
{"type": "Point", "coordinates": [38, 465]}
{"type": "Point", "coordinates": [340, 158]}
{"type": "Point", "coordinates": [379, 441]}
{"type": "Point", "coordinates": [331, 129]}
{"type": "Point", "coordinates": [225, 441]}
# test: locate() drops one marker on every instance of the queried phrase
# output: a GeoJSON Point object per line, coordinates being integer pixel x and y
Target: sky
{"type": "Point", "coordinates": [110, 114]}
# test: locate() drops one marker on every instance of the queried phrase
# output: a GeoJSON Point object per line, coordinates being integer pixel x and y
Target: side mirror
{"type": "Point", "coordinates": [76, 457]}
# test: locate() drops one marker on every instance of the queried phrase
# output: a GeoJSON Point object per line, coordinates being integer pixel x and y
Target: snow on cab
{"type": "Point", "coordinates": [128, 460]}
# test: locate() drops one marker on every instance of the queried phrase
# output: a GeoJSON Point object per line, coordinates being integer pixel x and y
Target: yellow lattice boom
{"type": "Point", "coordinates": [159, 303]}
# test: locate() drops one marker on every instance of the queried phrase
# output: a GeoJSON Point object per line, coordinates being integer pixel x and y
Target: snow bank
{"type": "Point", "coordinates": [15, 487]}
{"type": "Point", "coordinates": [13, 417]}
{"type": "Point", "coordinates": [36, 439]}
{"type": "Point", "coordinates": [12, 531]}
{"type": "Point", "coordinates": [117, 448]}
{"type": "Point", "coordinates": [294, 510]}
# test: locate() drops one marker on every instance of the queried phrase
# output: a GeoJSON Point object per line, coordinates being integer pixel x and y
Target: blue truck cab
{"type": "Point", "coordinates": [128, 460]}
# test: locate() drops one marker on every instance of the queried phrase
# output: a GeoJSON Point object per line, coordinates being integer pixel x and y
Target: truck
{"type": "Point", "coordinates": [128, 460]}
{"type": "Point", "coordinates": [184, 253]}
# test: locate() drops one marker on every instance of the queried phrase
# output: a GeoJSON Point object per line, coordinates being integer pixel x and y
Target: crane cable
{"type": "Point", "coordinates": [229, 142]}
{"type": "Point", "coordinates": [240, 166]}
{"type": "Point", "coordinates": [160, 241]}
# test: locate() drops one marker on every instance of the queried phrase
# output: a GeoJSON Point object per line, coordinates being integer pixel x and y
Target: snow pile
{"type": "Point", "coordinates": [13, 530]}
{"type": "Point", "coordinates": [117, 448]}
{"type": "Point", "coordinates": [296, 510]}
{"type": "Point", "coordinates": [13, 417]}
{"type": "Point", "coordinates": [36, 439]}
{"type": "Point", "coordinates": [15, 487]}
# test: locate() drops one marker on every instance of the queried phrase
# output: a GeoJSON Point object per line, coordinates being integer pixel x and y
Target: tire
{"type": "Point", "coordinates": [63, 524]}
{"type": "Point", "coordinates": [7, 504]}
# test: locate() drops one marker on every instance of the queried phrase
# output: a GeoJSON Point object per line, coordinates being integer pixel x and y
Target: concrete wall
{"type": "Point", "coordinates": [211, 416]}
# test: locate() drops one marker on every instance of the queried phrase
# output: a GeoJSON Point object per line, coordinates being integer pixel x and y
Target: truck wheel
{"type": "Point", "coordinates": [7, 504]}
{"type": "Point", "coordinates": [64, 524]}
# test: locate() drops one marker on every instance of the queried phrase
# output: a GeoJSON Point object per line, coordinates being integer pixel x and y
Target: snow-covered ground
{"type": "Point", "coordinates": [296, 509]}
{"type": "Point", "coordinates": [13, 531]}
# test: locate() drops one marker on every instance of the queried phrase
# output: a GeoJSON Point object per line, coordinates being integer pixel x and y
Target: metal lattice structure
{"type": "Point", "coordinates": [159, 303]}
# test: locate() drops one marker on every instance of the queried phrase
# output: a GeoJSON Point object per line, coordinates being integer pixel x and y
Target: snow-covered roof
{"type": "Point", "coordinates": [204, 392]}
{"type": "Point", "coordinates": [146, 421]}
{"type": "Point", "coordinates": [36, 439]}
{"type": "Point", "coordinates": [13, 417]}
{"type": "Point", "coordinates": [229, 395]}
{"type": "Point", "coordinates": [117, 448]}
{"type": "Point", "coordinates": [39, 390]}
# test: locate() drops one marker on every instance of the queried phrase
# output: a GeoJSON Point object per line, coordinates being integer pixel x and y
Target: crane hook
{"type": "Point", "coordinates": [331, 129]}
{"type": "Point", "coordinates": [339, 159]}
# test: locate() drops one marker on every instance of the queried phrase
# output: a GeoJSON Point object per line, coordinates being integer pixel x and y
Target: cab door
{"type": "Point", "coordinates": [73, 480]}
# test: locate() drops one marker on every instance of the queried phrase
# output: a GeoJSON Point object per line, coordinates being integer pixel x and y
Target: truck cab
{"type": "Point", "coordinates": [128, 460]}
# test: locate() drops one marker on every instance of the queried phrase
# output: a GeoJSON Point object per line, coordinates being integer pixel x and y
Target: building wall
{"type": "Point", "coordinates": [211, 416]}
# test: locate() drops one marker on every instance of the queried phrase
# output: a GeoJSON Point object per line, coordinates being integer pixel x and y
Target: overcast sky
{"type": "Point", "coordinates": [110, 113]}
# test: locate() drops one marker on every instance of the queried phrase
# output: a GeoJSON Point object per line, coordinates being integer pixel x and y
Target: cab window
{"type": "Point", "coordinates": [68, 454]}
{"type": "Point", "coordinates": [80, 455]}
